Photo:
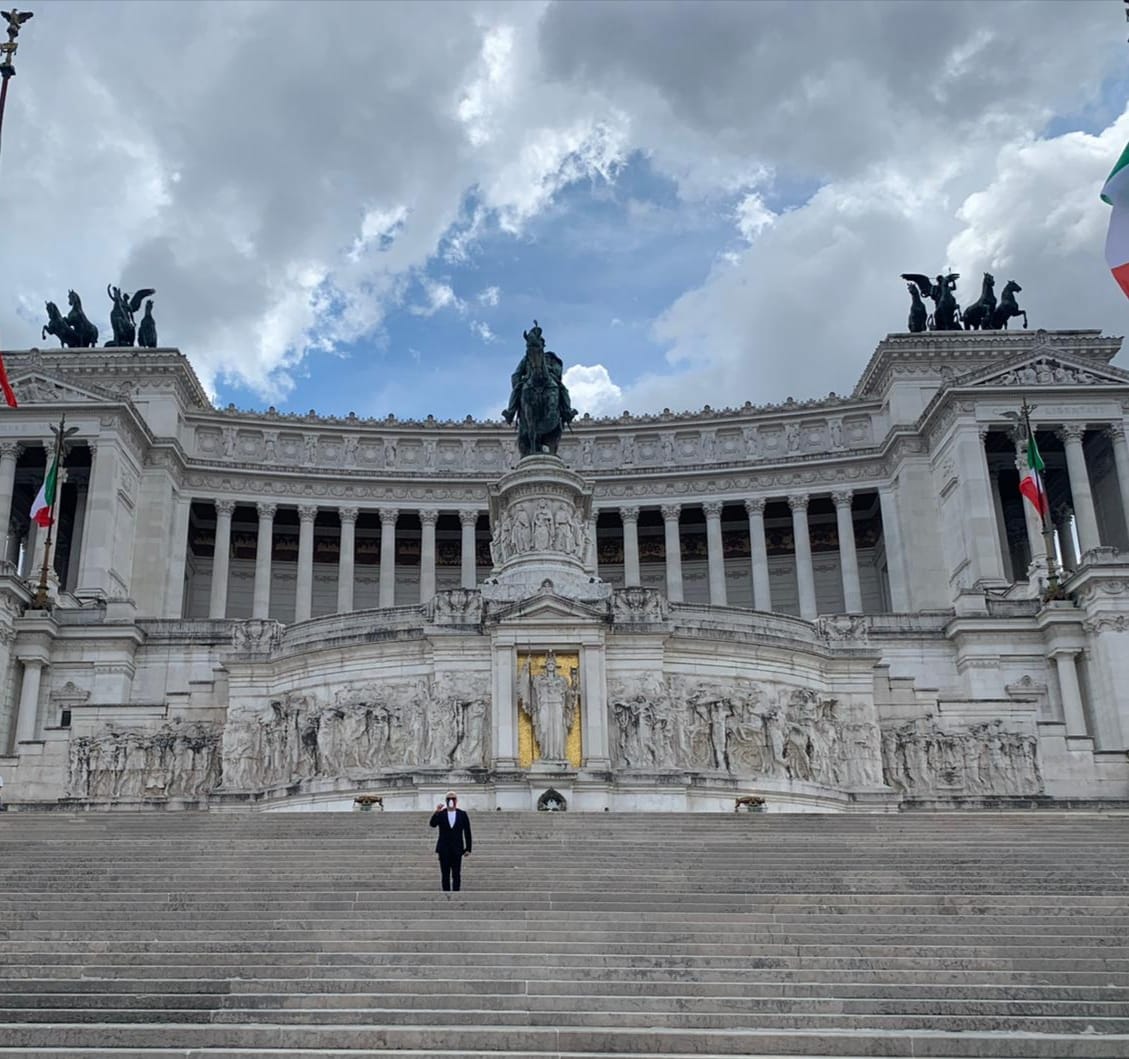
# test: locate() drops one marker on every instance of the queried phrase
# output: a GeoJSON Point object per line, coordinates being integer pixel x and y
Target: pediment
{"type": "Point", "coordinates": [545, 606]}
{"type": "Point", "coordinates": [34, 387]}
{"type": "Point", "coordinates": [1044, 366]}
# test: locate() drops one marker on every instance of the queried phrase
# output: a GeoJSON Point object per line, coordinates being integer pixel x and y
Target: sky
{"type": "Point", "coordinates": [359, 207]}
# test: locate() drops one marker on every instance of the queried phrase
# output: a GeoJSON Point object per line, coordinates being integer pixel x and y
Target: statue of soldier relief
{"type": "Point", "coordinates": [551, 707]}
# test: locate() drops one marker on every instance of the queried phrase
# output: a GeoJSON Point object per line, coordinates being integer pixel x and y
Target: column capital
{"type": "Point", "coordinates": [754, 505]}
{"type": "Point", "coordinates": [468, 516]}
{"type": "Point", "coordinates": [388, 516]}
{"type": "Point", "coordinates": [798, 502]}
{"type": "Point", "coordinates": [1071, 432]}
{"type": "Point", "coordinates": [348, 514]}
{"type": "Point", "coordinates": [427, 516]}
{"type": "Point", "coordinates": [1115, 432]}
{"type": "Point", "coordinates": [712, 508]}
{"type": "Point", "coordinates": [225, 508]}
{"type": "Point", "coordinates": [11, 449]}
{"type": "Point", "coordinates": [307, 512]}
{"type": "Point", "coordinates": [843, 497]}
{"type": "Point", "coordinates": [983, 430]}
{"type": "Point", "coordinates": [629, 514]}
{"type": "Point", "coordinates": [266, 510]}
{"type": "Point", "coordinates": [671, 512]}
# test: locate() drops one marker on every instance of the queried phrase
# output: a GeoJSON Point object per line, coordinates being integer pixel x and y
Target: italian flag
{"type": "Point", "coordinates": [1032, 485]}
{"type": "Point", "coordinates": [41, 510]}
{"type": "Point", "coordinates": [1115, 192]}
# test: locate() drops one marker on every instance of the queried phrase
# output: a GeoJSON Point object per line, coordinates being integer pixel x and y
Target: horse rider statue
{"type": "Point", "coordinates": [946, 312]}
{"type": "Point", "coordinates": [538, 397]}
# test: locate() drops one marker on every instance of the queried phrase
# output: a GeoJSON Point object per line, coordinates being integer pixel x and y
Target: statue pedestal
{"type": "Point", "coordinates": [541, 515]}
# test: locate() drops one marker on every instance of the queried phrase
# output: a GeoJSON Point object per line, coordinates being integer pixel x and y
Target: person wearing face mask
{"type": "Point", "coordinates": [454, 840]}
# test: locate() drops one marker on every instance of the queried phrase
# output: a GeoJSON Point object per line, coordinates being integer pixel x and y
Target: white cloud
{"type": "Point", "coordinates": [753, 216]}
{"type": "Point", "coordinates": [490, 296]}
{"type": "Point", "coordinates": [152, 151]}
{"type": "Point", "coordinates": [482, 330]}
{"type": "Point", "coordinates": [439, 296]}
{"type": "Point", "coordinates": [592, 390]}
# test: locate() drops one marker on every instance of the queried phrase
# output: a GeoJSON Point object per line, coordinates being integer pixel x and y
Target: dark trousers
{"type": "Point", "coordinates": [451, 866]}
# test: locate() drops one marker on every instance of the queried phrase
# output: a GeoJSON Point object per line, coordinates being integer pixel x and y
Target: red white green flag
{"type": "Point", "coordinates": [1115, 192]}
{"type": "Point", "coordinates": [41, 510]}
{"type": "Point", "coordinates": [1032, 485]}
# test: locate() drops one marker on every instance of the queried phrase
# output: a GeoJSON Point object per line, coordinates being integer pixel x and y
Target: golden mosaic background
{"type": "Point", "coordinates": [568, 665]}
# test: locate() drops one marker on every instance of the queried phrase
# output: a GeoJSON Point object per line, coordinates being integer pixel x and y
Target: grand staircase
{"type": "Point", "coordinates": [301, 935]}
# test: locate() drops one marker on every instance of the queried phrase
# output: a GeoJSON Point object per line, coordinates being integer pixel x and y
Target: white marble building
{"type": "Point", "coordinates": [832, 603]}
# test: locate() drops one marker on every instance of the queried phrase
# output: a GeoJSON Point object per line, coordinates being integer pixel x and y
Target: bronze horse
{"type": "Point", "coordinates": [1008, 307]}
{"type": "Point", "coordinates": [74, 331]}
{"type": "Point", "coordinates": [978, 316]}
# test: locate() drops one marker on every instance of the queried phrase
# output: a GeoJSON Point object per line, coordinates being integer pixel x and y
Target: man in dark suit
{"type": "Point", "coordinates": [454, 829]}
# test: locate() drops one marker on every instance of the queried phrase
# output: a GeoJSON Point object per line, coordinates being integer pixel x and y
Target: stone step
{"type": "Point", "coordinates": [795, 1017]}
{"type": "Point", "coordinates": [926, 1001]}
{"type": "Point", "coordinates": [542, 1040]}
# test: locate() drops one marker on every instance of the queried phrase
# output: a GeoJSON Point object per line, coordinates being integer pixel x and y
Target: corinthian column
{"type": "Point", "coordinates": [848, 557]}
{"type": "Point", "coordinates": [346, 556]}
{"type": "Point", "coordinates": [1120, 459]}
{"type": "Point", "coordinates": [758, 554]}
{"type": "Point", "coordinates": [264, 546]}
{"type": "Point", "coordinates": [1085, 517]}
{"type": "Point", "coordinates": [673, 547]}
{"type": "Point", "coordinates": [427, 555]}
{"type": "Point", "coordinates": [468, 519]}
{"type": "Point", "coordinates": [9, 453]}
{"type": "Point", "coordinates": [715, 552]}
{"type": "Point", "coordinates": [303, 599]}
{"type": "Point", "coordinates": [630, 517]}
{"type": "Point", "coordinates": [221, 560]}
{"type": "Point", "coordinates": [805, 575]}
{"type": "Point", "coordinates": [388, 516]}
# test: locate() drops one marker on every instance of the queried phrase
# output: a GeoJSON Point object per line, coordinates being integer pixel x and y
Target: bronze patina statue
{"type": "Point", "coordinates": [918, 314]}
{"type": "Point", "coordinates": [1008, 307]}
{"type": "Point", "coordinates": [985, 314]}
{"type": "Point", "coordinates": [946, 312]}
{"type": "Point", "coordinates": [538, 397]}
{"type": "Point", "coordinates": [147, 329]}
{"type": "Point", "coordinates": [978, 316]}
{"type": "Point", "coordinates": [74, 331]}
{"type": "Point", "coordinates": [121, 315]}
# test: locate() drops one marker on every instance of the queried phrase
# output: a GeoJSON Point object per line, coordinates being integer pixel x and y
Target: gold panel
{"type": "Point", "coordinates": [568, 665]}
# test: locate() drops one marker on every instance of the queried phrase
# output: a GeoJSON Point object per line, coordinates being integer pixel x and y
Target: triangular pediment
{"type": "Point", "coordinates": [34, 386]}
{"type": "Point", "coordinates": [547, 607]}
{"type": "Point", "coordinates": [1044, 366]}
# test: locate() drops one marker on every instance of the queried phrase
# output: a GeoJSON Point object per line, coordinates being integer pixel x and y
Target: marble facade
{"type": "Point", "coordinates": [831, 603]}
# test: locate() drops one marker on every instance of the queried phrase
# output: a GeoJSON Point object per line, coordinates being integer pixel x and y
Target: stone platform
{"type": "Point", "coordinates": [961, 935]}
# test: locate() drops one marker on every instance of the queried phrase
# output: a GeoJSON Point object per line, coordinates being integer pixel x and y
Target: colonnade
{"type": "Point", "coordinates": [218, 590]}
{"type": "Point", "coordinates": [346, 570]}
{"type": "Point", "coordinates": [758, 551]}
{"type": "Point", "coordinates": [1081, 510]}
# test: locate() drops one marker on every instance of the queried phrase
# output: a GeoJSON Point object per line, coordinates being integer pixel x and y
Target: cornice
{"type": "Point", "coordinates": [965, 351]}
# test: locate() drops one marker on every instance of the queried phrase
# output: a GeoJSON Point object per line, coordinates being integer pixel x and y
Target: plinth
{"type": "Point", "coordinates": [543, 531]}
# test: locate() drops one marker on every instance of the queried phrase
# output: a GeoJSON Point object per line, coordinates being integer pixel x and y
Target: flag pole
{"type": "Point", "coordinates": [40, 600]}
{"type": "Point", "coordinates": [1054, 591]}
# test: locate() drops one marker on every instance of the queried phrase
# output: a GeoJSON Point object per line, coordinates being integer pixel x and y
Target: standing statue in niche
{"type": "Point", "coordinates": [551, 708]}
{"type": "Point", "coordinates": [125, 306]}
{"type": "Point", "coordinates": [538, 397]}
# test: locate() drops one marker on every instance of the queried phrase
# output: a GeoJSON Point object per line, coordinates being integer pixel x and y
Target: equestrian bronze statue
{"type": "Point", "coordinates": [538, 397]}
